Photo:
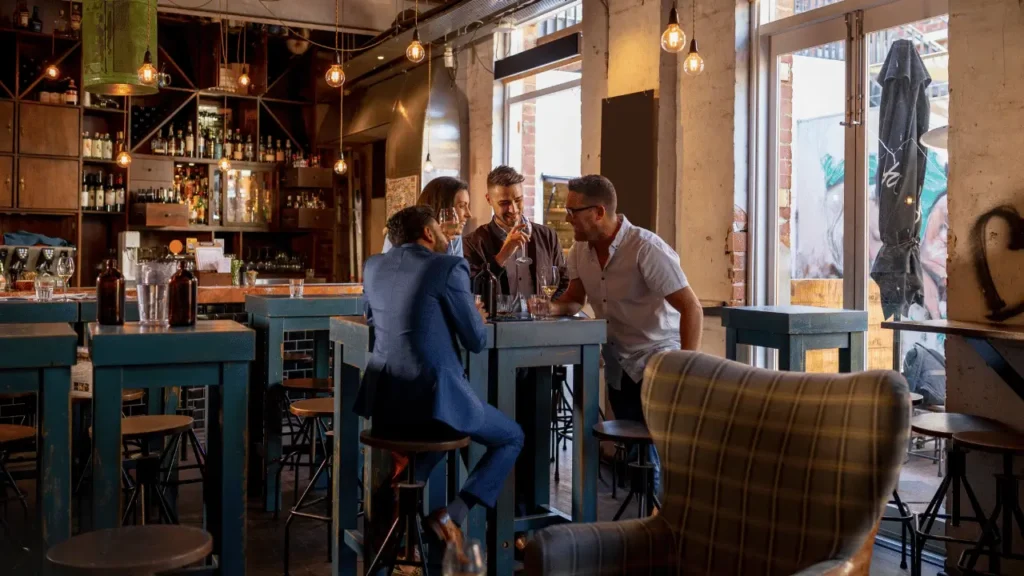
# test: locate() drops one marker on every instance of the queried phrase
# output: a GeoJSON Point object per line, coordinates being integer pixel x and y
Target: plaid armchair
{"type": "Point", "coordinates": [763, 473]}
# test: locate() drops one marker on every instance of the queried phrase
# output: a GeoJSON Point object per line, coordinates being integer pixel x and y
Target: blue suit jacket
{"type": "Point", "coordinates": [419, 302]}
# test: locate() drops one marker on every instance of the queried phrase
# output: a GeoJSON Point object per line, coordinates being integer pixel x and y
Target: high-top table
{"type": "Point", "coordinates": [38, 358]}
{"type": "Point", "coordinates": [271, 316]}
{"type": "Point", "coordinates": [33, 311]}
{"type": "Point", "coordinates": [510, 346]}
{"type": "Point", "coordinates": [215, 354]}
{"type": "Point", "coordinates": [793, 330]}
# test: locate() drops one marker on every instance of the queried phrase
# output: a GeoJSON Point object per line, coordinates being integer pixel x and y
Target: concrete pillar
{"type": "Point", "coordinates": [476, 77]}
{"type": "Point", "coordinates": [986, 46]}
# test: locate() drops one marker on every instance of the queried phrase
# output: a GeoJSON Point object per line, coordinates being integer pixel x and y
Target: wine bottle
{"type": "Point", "coordinates": [110, 295]}
{"type": "Point", "coordinates": [182, 297]}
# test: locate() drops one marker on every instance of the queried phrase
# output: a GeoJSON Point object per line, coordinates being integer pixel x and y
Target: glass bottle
{"type": "Point", "coordinates": [262, 152]}
{"type": "Point", "coordinates": [179, 145]}
{"type": "Point", "coordinates": [190, 141]}
{"type": "Point", "coordinates": [21, 16]}
{"type": "Point", "coordinates": [201, 144]}
{"type": "Point", "coordinates": [288, 152]}
{"type": "Point", "coordinates": [86, 145]}
{"type": "Point", "coordinates": [36, 23]}
{"type": "Point", "coordinates": [485, 285]}
{"type": "Point", "coordinates": [86, 199]}
{"type": "Point", "coordinates": [97, 192]}
{"type": "Point", "coordinates": [60, 25]}
{"type": "Point", "coordinates": [108, 147]}
{"type": "Point", "coordinates": [119, 201]}
{"type": "Point", "coordinates": [109, 194]}
{"type": "Point", "coordinates": [71, 94]}
{"type": "Point", "coordinates": [249, 154]}
{"type": "Point", "coordinates": [76, 20]}
{"type": "Point", "coordinates": [110, 295]}
{"type": "Point", "coordinates": [154, 144]}
{"type": "Point", "coordinates": [229, 146]}
{"type": "Point", "coordinates": [237, 151]}
{"type": "Point", "coordinates": [182, 296]}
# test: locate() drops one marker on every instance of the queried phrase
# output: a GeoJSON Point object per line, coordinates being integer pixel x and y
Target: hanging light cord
{"type": "Point", "coordinates": [693, 17]}
{"type": "Point", "coordinates": [429, 85]}
{"type": "Point", "coordinates": [336, 4]}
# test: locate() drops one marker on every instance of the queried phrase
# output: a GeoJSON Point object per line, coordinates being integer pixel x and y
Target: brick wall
{"type": "Point", "coordinates": [528, 129]}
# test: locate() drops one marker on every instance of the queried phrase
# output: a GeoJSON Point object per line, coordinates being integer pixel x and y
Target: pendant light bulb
{"type": "Point", "coordinates": [428, 166]}
{"type": "Point", "coordinates": [224, 164]}
{"type": "Point", "coordinates": [415, 52]}
{"type": "Point", "coordinates": [147, 72]}
{"type": "Point", "coordinates": [340, 166]}
{"type": "Point", "coordinates": [243, 78]}
{"type": "Point", "coordinates": [335, 76]}
{"type": "Point", "coordinates": [694, 63]}
{"type": "Point", "coordinates": [52, 72]}
{"type": "Point", "coordinates": [673, 40]}
{"type": "Point", "coordinates": [124, 158]}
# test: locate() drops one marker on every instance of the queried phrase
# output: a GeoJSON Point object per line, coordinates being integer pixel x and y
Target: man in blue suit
{"type": "Point", "coordinates": [419, 300]}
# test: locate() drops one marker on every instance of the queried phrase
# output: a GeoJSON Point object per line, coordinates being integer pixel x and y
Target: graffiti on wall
{"type": "Point", "coordinates": [999, 309]}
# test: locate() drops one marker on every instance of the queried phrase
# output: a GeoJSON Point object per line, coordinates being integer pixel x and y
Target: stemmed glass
{"type": "Point", "coordinates": [65, 270]}
{"type": "Point", "coordinates": [522, 258]}
{"type": "Point", "coordinates": [448, 218]}
{"type": "Point", "coordinates": [466, 562]}
{"type": "Point", "coordinates": [549, 281]}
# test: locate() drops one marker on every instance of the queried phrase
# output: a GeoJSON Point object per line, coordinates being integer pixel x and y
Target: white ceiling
{"type": "Point", "coordinates": [366, 16]}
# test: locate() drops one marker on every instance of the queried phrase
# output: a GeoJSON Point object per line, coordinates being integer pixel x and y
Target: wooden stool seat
{"type": "Point", "coordinates": [916, 399]}
{"type": "Point", "coordinates": [413, 446]}
{"type": "Point", "coordinates": [946, 424]}
{"type": "Point", "coordinates": [128, 395]}
{"type": "Point", "coordinates": [312, 407]}
{"type": "Point", "coordinates": [297, 357]}
{"type": "Point", "coordinates": [316, 384]}
{"type": "Point", "coordinates": [15, 433]}
{"type": "Point", "coordinates": [135, 426]}
{"type": "Point", "coordinates": [1001, 442]}
{"type": "Point", "coordinates": [133, 550]}
{"type": "Point", "coordinates": [628, 431]}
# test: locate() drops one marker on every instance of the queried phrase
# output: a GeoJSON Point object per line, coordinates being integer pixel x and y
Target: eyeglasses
{"type": "Point", "coordinates": [573, 211]}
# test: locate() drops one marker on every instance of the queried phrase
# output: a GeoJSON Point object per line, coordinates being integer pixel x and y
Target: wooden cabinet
{"type": "Point", "coordinates": [6, 181]}
{"type": "Point", "coordinates": [307, 218]}
{"type": "Point", "coordinates": [307, 178]}
{"type": "Point", "coordinates": [7, 126]}
{"type": "Point", "coordinates": [47, 183]}
{"type": "Point", "coordinates": [49, 130]}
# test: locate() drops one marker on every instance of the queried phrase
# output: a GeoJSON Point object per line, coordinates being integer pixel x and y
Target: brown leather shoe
{"type": "Point", "coordinates": [446, 530]}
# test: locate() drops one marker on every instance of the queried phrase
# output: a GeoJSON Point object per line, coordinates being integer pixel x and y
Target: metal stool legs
{"type": "Point", "coordinates": [410, 498]}
{"type": "Point", "coordinates": [906, 520]}
{"type": "Point", "coordinates": [996, 540]}
{"type": "Point", "coordinates": [301, 504]}
{"type": "Point", "coordinates": [641, 486]}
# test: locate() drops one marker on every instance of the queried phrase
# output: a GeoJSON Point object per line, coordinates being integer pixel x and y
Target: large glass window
{"type": "Point", "coordinates": [785, 8]}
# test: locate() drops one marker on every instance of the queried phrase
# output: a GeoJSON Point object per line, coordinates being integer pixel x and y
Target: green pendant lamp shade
{"type": "Point", "coordinates": [115, 37]}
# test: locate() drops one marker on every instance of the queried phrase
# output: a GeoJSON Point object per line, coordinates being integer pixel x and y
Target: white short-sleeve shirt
{"type": "Point", "coordinates": [630, 294]}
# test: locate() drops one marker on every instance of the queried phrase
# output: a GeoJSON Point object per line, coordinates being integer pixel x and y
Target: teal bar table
{"type": "Point", "coordinates": [272, 316]}
{"type": "Point", "coordinates": [215, 354]}
{"type": "Point", "coordinates": [33, 311]}
{"type": "Point", "coordinates": [38, 358]}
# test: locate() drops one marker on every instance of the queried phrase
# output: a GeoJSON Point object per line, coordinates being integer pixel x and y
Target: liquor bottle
{"type": "Point", "coordinates": [60, 25]}
{"type": "Point", "coordinates": [97, 192]}
{"type": "Point", "coordinates": [119, 201]}
{"type": "Point", "coordinates": [237, 150]}
{"type": "Point", "coordinates": [86, 145]}
{"type": "Point", "coordinates": [86, 194]}
{"type": "Point", "coordinates": [36, 23]}
{"type": "Point", "coordinates": [270, 150]}
{"type": "Point", "coordinates": [288, 153]}
{"type": "Point", "coordinates": [109, 194]}
{"type": "Point", "coordinates": [229, 145]}
{"type": "Point", "coordinates": [201, 144]}
{"type": "Point", "coordinates": [249, 153]}
{"type": "Point", "coordinates": [279, 152]}
{"type": "Point", "coordinates": [120, 145]}
{"type": "Point", "coordinates": [21, 15]}
{"type": "Point", "coordinates": [190, 141]}
{"type": "Point", "coordinates": [76, 20]}
{"type": "Point", "coordinates": [154, 144]}
{"type": "Point", "coordinates": [485, 285]}
{"type": "Point", "coordinates": [71, 94]}
{"type": "Point", "coordinates": [179, 144]}
{"type": "Point", "coordinates": [110, 295]}
{"type": "Point", "coordinates": [262, 152]}
{"type": "Point", "coordinates": [182, 297]}
{"type": "Point", "coordinates": [218, 146]}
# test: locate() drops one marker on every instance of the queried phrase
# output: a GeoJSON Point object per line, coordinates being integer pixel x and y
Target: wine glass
{"type": "Point", "coordinates": [521, 257]}
{"type": "Point", "coordinates": [549, 281]}
{"type": "Point", "coordinates": [466, 562]}
{"type": "Point", "coordinates": [65, 270]}
{"type": "Point", "coordinates": [448, 218]}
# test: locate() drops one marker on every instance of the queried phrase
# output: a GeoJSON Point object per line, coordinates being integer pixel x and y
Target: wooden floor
{"type": "Point", "coordinates": [309, 538]}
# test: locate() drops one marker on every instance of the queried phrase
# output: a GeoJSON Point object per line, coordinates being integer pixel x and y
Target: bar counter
{"type": "Point", "coordinates": [223, 294]}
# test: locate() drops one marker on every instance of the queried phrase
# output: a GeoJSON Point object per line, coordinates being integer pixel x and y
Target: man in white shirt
{"type": "Point", "coordinates": [632, 279]}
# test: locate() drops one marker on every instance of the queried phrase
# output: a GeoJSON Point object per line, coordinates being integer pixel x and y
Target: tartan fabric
{"type": "Point", "coordinates": [763, 472]}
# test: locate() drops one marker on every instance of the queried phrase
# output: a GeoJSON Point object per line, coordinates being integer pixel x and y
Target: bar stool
{"type": "Point", "coordinates": [11, 437]}
{"type": "Point", "coordinates": [1007, 511]}
{"type": "Point", "coordinates": [641, 485]}
{"type": "Point", "coordinates": [905, 517]}
{"type": "Point", "coordinates": [312, 409]}
{"type": "Point", "coordinates": [142, 429]}
{"type": "Point", "coordinates": [410, 500]}
{"type": "Point", "coordinates": [306, 432]}
{"type": "Point", "coordinates": [942, 426]}
{"type": "Point", "coordinates": [132, 551]}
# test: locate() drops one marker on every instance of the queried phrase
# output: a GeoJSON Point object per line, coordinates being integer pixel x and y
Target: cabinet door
{"type": "Point", "coordinates": [50, 130]}
{"type": "Point", "coordinates": [47, 183]}
{"type": "Point", "coordinates": [6, 181]}
{"type": "Point", "coordinates": [7, 126]}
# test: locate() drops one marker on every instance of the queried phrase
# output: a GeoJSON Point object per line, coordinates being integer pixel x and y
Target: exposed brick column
{"type": "Point", "coordinates": [528, 130]}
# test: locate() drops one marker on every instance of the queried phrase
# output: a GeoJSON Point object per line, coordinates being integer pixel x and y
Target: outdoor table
{"type": "Point", "coordinates": [981, 336]}
{"type": "Point", "coordinates": [793, 330]}
{"type": "Point", "coordinates": [353, 341]}
{"type": "Point", "coordinates": [271, 316]}
{"type": "Point", "coordinates": [33, 311]}
{"type": "Point", "coordinates": [38, 358]}
{"type": "Point", "coordinates": [215, 354]}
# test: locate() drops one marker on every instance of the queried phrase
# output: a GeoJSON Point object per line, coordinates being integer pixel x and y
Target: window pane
{"type": "Point", "coordinates": [785, 8]}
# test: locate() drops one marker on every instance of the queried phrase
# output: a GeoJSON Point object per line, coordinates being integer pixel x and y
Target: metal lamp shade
{"type": "Point", "coordinates": [114, 42]}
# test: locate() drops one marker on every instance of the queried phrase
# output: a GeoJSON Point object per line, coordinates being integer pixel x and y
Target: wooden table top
{"type": "Point", "coordinates": [984, 330]}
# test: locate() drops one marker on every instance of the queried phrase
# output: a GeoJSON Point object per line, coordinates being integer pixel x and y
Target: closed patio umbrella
{"type": "Point", "coordinates": [903, 118]}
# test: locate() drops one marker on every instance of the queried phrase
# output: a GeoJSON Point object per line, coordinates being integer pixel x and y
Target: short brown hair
{"type": "Point", "coordinates": [440, 193]}
{"type": "Point", "coordinates": [504, 176]}
{"type": "Point", "coordinates": [596, 189]}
